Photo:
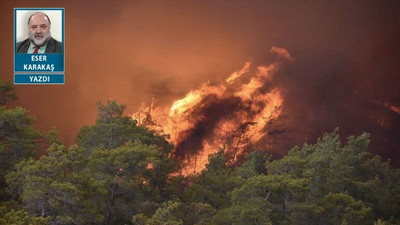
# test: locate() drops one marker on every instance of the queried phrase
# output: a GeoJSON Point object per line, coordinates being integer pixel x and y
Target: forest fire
{"type": "Point", "coordinates": [234, 115]}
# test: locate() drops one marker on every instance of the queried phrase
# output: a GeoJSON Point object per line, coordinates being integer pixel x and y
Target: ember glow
{"type": "Point", "coordinates": [384, 120]}
{"type": "Point", "coordinates": [234, 115]}
{"type": "Point", "coordinates": [388, 105]}
{"type": "Point", "coordinates": [392, 107]}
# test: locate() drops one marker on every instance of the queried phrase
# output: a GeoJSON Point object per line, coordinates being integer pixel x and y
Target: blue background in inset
{"type": "Point", "coordinates": [24, 79]}
{"type": "Point", "coordinates": [52, 58]}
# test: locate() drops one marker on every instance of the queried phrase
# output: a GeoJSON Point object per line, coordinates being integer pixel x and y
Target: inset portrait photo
{"type": "Point", "coordinates": [38, 31]}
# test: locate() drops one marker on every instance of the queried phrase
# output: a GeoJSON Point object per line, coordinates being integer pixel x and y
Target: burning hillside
{"type": "Point", "coordinates": [238, 115]}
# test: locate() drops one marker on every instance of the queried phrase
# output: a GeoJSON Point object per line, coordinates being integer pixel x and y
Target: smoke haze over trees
{"type": "Point", "coordinates": [122, 173]}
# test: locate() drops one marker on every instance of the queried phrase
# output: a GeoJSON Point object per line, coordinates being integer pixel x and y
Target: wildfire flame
{"type": "Point", "coordinates": [237, 74]}
{"type": "Point", "coordinates": [235, 114]}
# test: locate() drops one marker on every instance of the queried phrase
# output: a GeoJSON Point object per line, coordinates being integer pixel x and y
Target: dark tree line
{"type": "Point", "coordinates": [122, 173]}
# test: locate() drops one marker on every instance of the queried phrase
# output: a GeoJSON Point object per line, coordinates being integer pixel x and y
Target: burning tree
{"type": "Point", "coordinates": [238, 114]}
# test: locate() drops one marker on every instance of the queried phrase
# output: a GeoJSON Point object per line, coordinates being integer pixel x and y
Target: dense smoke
{"type": "Point", "coordinates": [212, 111]}
{"type": "Point", "coordinates": [345, 73]}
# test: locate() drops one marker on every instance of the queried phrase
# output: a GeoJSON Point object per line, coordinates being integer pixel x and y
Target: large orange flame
{"type": "Point", "coordinates": [247, 123]}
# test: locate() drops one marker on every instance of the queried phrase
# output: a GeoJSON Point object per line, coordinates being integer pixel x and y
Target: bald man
{"type": "Point", "coordinates": [40, 40]}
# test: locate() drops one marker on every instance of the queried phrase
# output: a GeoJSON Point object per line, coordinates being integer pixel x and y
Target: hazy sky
{"type": "Point", "coordinates": [347, 60]}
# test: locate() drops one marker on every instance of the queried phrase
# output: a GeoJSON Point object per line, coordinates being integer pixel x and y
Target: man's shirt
{"type": "Point", "coordinates": [41, 50]}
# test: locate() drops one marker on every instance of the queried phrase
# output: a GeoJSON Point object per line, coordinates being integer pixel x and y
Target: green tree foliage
{"type": "Point", "coordinates": [214, 183]}
{"type": "Point", "coordinates": [263, 199]}
{"type": "Point", "coordinates": [255, 164]}
{"type": "Point", "coordinates": [243, 214]}
{"type": "Point", "coordinates": [18, 138]}
{"type": "Point", "coordinates": [6, 92]}
{"type": "Point", "coordinates": [113, 130]}
{"type": "Point", "coordinates": [122, 173]}
{"type": "Point", "coordinates": [129, 164]}
{"type": "Point", "coordinates": [175, 212]}
{"type": "Point", "coordinates": [20, 217]}
{"type": "Point", "coordinates": [118, 170]}
{"type": "Point", "coordinates": [123, 177]}
{"type": "Point", "coordinates": [197, 213]}
{"type": "Point", "coordinates": [165, 215]}
{"type": "Point", "coordinates": [333, 168]}
{"type": "Point", "coordinates": [18, 141]}
{"type": "Point", "coordinates": [108, 187]}
{"type": "Point", "coordinates": [333, 209]}
{"type": "Point", "coordinates": [52, 186]}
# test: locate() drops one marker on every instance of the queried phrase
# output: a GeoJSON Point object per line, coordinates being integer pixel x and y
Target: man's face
{"type": "Point", "coordinates": [39, 29]}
